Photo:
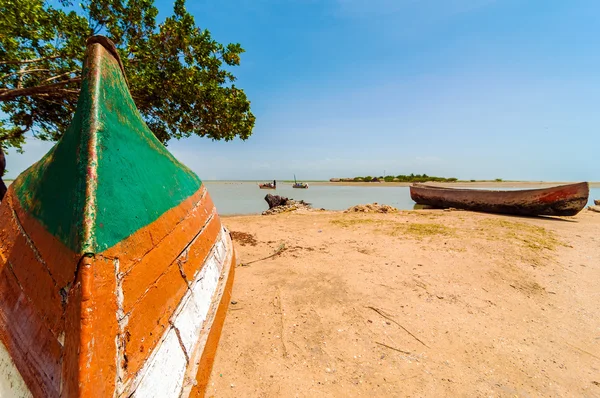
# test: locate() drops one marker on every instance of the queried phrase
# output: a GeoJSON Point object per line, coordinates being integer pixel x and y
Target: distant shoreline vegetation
{"type": "Point", "coordinates": [398, 178]}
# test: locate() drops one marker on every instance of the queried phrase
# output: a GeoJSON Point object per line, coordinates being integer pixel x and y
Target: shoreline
{"type": "Point", "coordinates": [481, 184]}
{"type": "Point", "coordinates": [459, 184]}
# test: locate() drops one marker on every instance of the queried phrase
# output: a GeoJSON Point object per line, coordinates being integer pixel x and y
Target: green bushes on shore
{"type": "Point", "coordinates": [401, 178]}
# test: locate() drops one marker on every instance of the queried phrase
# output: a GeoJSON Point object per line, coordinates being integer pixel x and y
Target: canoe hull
{"type": "Point", "coordinates": [566, 200]}
{"type": "Point", "coordinates": [115, 268]}
{"type": "Point", "coordinates": [163, 335]}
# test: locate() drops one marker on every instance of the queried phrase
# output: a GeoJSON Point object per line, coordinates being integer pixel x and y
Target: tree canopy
{"type": "Point", "coordinates": [179, 76]}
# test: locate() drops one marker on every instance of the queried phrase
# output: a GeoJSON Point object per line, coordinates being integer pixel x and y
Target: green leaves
{"type": "Point", "coordinates": [175, 70]}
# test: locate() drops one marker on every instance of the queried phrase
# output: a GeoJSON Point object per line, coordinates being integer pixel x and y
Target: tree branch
{"type": "Point", "coordinates": [10, 94]}
{"type": "Point", "coordinates": [59, 76]}
{"type": "Point", "coordinates": [28, 61]}
{"type": "Point", "coordinates": [23, 72]}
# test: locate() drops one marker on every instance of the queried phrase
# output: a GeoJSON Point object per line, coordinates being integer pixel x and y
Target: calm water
{"type": "Point", "coordinates": [247, 198]}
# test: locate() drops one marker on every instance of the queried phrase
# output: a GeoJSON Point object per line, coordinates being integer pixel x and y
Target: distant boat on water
{"type": "Point", "coordinates": [565, 200]}
{"type": "Point", "coordinates": [300, 185]}
{"type": "Point", "coordinates": [268, 185]}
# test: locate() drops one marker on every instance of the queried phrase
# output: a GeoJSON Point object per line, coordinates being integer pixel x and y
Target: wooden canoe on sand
{"type": "Point", "coordinates": [565, 200]}
{"type": "Point", "coordinates": [115, 269]}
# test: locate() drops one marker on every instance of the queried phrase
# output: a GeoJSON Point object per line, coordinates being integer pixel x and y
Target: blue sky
{"type": "Point", "coordinates": [466, 88]}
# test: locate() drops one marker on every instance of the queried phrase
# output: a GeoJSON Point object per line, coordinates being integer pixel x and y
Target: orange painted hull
{"type": "Point", "coordinates": [96, 334]}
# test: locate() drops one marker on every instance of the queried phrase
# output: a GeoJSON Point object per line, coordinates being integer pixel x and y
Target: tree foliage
{"type": "Point", "coordinates": [179, 76]}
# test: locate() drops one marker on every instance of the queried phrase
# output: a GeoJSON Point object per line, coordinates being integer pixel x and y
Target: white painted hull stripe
{"type": "Point", "coordinates": [11, 381]}
{"type": "Point", "coordinates": [163, 374]}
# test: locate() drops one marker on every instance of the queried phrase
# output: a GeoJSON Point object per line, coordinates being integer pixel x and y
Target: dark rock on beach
{"type": "Point", "coordinates": [280, 204]}
{"type": "Point", "coordinates": [276, 200]}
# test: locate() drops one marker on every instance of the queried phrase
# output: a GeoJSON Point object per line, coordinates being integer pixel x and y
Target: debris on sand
{"type": "Point", "coordinates": [243, 238]}
{"type": "Point", "coordinates": [594, 208]}
{"type": "Point", "coordinates": [371, 208]}
{"type": "Point", "coordinates": [280, 204]}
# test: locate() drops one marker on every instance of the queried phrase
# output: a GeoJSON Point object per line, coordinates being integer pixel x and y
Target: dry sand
{"type": "Point", "coordinates": [421, 303]}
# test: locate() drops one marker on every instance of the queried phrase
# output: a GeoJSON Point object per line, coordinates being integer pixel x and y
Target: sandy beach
{"type": "Point", "coordinates": [417, 303]}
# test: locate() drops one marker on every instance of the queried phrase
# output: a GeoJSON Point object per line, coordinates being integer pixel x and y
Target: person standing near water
{"type": "Point", "coordinates": [274, 184]}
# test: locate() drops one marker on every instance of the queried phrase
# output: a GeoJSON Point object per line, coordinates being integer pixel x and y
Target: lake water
{"type": "Point", "coordinates": [246, 198]}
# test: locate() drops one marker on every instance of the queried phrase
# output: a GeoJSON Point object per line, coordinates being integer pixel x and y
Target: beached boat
{"type": "Point", "coordinates": [565, 200]}
{"type": "Point", "coordinates": [115, 269]}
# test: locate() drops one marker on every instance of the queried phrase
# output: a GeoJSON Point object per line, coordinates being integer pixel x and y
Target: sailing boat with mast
{"type": "Point", "coordinates": [301, 185]}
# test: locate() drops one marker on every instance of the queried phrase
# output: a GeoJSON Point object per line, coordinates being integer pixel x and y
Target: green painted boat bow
{"type": "Point", "coordinates": [108, 176]}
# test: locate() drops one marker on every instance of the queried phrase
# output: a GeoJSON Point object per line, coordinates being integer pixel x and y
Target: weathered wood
{"type": "Point", "coordinates": [566, 200]}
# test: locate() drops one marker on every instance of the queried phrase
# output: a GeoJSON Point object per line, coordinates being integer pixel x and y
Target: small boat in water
{"type": "Point", "coordinates": [300, 185]}
{"type": "Point", "coordinates": [565, 200]}
{"type": "Point", "coordinates": [268, 185]}
{"type": "Point", "coordinates": [115, 269]}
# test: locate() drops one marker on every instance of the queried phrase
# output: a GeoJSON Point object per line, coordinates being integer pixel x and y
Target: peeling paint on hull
{"type": "Point", "coordinates": [126, 286]}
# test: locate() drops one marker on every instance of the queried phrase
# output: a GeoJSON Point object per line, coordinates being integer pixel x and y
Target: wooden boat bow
{"type": "Point", "coordinates": [115, 269]}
